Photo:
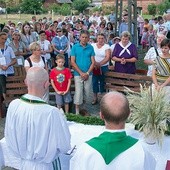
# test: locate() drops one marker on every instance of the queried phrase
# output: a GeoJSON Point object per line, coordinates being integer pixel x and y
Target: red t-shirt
{"type": "Point", "coordinates": [60, 78]}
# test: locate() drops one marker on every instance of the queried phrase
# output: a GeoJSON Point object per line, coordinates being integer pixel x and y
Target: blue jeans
{"type": "Point", "coordinates": [99, 81]}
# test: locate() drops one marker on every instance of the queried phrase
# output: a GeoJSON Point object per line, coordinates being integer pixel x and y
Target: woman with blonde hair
{"type": "Point", "coordinates": [35, 60]}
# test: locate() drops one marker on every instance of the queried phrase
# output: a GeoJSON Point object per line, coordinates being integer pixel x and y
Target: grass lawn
{"type": "Point", "coordinates": [24, 17]}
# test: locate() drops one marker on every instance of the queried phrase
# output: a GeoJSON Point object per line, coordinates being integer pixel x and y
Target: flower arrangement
{"type": "Point", "coordinates": [150, 112]}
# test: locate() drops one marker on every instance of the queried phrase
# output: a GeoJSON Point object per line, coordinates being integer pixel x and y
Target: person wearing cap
{"type": "Point", "coordinates": [115, 41]}
{"type": "Point", "coordinates": [19, 26]}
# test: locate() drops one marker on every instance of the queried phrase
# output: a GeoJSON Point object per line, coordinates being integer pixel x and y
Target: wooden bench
{"type": "Point", "coordinates": [118, 81]}
{"type": "Point", "coordinates": [15, 87]}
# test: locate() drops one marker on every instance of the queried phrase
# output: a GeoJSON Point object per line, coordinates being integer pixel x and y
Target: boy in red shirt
{"type": "Point", "coordinates": [61, 81]}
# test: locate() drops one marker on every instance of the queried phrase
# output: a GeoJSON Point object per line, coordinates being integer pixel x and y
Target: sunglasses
{"type": "Point", "coordinates": [58, 31]}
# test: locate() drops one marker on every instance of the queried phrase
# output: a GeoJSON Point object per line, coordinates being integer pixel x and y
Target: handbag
{"type": "Point", "coordinates": [97, 71]}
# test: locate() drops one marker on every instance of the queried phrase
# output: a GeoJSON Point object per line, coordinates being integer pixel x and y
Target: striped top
{"type": "Point", "coordinates": [162, 66]}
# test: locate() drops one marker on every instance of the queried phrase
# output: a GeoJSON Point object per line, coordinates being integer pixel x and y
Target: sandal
{"type": "Point", "coordinates": [94, 102]}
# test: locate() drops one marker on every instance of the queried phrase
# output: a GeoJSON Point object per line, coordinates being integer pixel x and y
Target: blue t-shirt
{"type": "Point", "coordinates": [82, 56]}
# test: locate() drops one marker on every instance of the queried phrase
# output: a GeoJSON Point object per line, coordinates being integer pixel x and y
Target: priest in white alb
{"type": "Point", "coordinates": [113, 149]}
{"type": "Point", "coordinates": [35, 132]}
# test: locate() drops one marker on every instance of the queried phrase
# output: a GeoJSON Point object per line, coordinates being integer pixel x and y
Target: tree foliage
{"type": "Point", "coordinates": [65, 9]}
{"type": "Point", "coordinates": [31, 6]}
{"type": "Point", "coordinates": [163, 7]}
{"type": "Point", "coordinates": [152, 9]}
{"type": "Point", "coordinates": [80, 5]}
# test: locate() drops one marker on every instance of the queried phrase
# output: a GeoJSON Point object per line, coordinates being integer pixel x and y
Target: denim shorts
{"type": "Point", "coordinates": [63, 99]}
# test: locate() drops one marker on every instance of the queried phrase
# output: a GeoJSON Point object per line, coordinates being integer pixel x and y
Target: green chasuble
{"type": "Point", "coordinates": [110, 145]}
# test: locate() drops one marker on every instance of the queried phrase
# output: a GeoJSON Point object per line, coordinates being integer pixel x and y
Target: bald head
{"type": "Point", "coordinates": [114, 107]}
{"type": "Point", "coordinates": [36, 77]}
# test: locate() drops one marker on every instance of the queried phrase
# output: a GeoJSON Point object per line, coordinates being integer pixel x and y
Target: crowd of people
{"type": "Point", "coordinates": [83, 47]}
{"type": "Point", "coordinates": [39, 41]}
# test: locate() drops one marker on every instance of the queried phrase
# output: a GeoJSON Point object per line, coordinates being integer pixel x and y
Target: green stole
{"type": "Point", "coordinates": [32, 101]}
{"type": "Point", "coordinates": [110, 145]}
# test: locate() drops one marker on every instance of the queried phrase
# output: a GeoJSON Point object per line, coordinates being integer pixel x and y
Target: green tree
{"type": "Point", "coordinates": [80, 5]}
{"type": "Point", "coordinates": [163, 7]}
{"type": "Point", "coordinates": [152, 9]}
{"type": "Point", "coordinates": [65, 9]}
{"type": "Point", "coordinates": [55, 7]}
{"type": "Point", "coordinates": [31, 6]}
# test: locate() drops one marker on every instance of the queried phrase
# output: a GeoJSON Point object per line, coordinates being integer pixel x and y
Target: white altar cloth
{"type": "Point", "coordinates": [81, 133]}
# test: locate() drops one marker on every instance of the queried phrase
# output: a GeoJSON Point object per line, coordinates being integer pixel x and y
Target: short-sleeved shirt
{"type": "Point", "coordinates": [34, 64]}
{"type": "Point", "coordinates": [45, 46]}
{"type": "Point", "coordinates": [6, 55]}
{"type": "Point", "coordinates": [21, 47]}
{"type": "Point", "coordinates": [60, 78]}
{"type": "Point", "coordinates": [100, 53]}
{"type": "Point", "coordinates": [82, 56]}
{"type": "Point", "coordinates": [60, 43]}
{"type": "Point", "coordinates": [27, 40]}
{"type": "Point", "coordinates": [151, 55]}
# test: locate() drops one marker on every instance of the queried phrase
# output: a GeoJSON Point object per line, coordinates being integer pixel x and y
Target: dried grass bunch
{"type": "Point", "coordinates": [149, 112]}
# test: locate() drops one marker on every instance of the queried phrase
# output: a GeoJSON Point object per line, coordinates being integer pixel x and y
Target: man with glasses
{"type": "Point", "coordinates": [60, 45]}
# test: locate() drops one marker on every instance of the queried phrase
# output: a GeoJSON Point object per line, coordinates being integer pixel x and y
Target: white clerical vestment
{"type": "Point", "coordinates": [134, 158]}
{"type": "Point", "coordinates": [35, 134]}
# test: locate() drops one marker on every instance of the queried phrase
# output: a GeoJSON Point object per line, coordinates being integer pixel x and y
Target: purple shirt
{"type": "Point", "coordinates": [128, 67]}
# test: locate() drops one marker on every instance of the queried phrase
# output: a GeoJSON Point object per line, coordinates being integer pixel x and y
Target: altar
{"type": "Point", "coordinates": [81, 133]}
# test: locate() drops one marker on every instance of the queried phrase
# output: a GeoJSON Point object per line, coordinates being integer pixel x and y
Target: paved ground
{"type": "Point", "coordinates": [92, 109]}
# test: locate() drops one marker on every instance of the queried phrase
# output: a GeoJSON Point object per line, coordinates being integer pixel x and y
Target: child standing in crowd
{"type": "Point", "coordinates": [46, 48]}
{"type": "Point", "coordinates": [61, 81]}
{"type": "Point", "coordinates": [151, 37]}
{"type": "Point", "coordinates": [144, 40]}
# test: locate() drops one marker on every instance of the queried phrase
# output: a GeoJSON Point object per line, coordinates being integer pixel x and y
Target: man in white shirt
{"type": "Point", "coordinates": [35, 132]}
{"type": "Point", "coordinates": [113, 149]}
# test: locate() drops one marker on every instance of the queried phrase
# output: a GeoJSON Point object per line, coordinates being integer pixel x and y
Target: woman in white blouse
{"type": "Point", "coordinates": [102, 57]}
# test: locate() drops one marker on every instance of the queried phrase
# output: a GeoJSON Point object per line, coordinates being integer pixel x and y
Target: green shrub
{"type": "Point", "coordinates": [12, 9]}
{"type": "Point", "coordinates": [89, 120]}
{"type": "Point", "coordinates": [80, 5]}
{"type": "Point", "coordinates": [163, 7]}
{"type": "Point", "coordinates": [152, 9]}
{"type": "Point", "coordinates": [65, 9]}
{"type": "Point", "coordinates": [31, 6]}
{"type": "Point", "coordinates": [107, 9]}
{"type": "Point", "coordinates": [55, 7]}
